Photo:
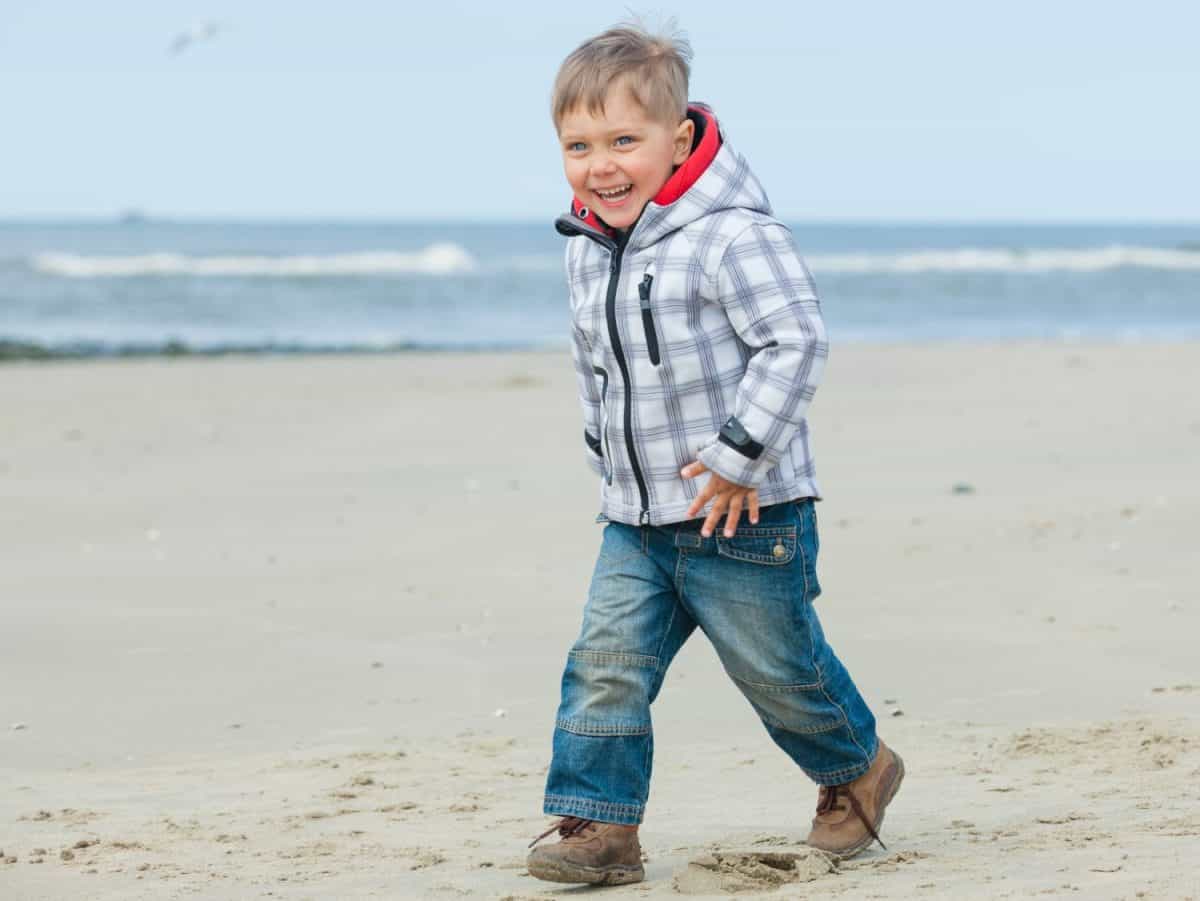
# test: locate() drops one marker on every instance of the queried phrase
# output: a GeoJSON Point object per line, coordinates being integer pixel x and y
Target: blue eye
{"type": "Point", "coordinates": [624, 138]}
{"type": "Point", "coordinates": [578, 145]}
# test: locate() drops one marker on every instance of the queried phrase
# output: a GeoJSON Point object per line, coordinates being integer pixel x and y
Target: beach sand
{"type": "Point", "coordinates": [294, 627]}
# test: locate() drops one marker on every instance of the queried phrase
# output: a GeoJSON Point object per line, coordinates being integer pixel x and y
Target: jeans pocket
{"type": "Point", "coordinates": [764, 545]}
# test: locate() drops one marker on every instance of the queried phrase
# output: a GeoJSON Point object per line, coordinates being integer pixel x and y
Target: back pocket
{"type": "Point", "coordinates": [765, 545]}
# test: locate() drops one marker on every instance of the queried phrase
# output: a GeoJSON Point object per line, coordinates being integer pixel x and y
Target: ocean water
{"type": "Point", "coordinates": [158, 286]}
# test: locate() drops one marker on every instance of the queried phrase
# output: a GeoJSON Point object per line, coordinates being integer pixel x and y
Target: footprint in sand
{"type": "Point", "coordinates": [68, 816]}
{"type": "Point", "coordinates": [394, 808]}
{"type": "Point", "coordinates": [741, 871]}
{"type": "Point", "coordinates": [422, 858]}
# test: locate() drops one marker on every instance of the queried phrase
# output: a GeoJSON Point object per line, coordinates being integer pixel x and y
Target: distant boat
{"type": "Point", "coordinates": [197, 33]}
{"type": "Point", "coordinates": [132, 217]}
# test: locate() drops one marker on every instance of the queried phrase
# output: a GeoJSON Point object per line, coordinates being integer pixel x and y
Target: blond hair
{"type": "Point", "coordinates": [653, 68]}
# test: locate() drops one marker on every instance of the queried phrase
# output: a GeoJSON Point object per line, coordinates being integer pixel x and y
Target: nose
{"type": "Point", "coordinates": [602, 165]}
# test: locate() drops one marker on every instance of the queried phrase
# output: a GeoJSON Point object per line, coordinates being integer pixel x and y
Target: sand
{"type": "Point", "coordinates": [293, 628]}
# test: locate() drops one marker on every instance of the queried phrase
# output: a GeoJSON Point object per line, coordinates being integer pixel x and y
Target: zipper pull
{"type": "Point", "coordinates": [644, 290]}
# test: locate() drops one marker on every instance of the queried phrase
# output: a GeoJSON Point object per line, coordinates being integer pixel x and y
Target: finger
{"type": "Point", "coordinates": [705, 496]}
{"type": "Point", "coordinates": [699, 503]}
{"type": "Point", "coordinates": [693, 469]}
{"type": "Point", "coordinates": [732, 517]}
{"type": "Point", "coordinates": [714, 516]}
{"type": "Point", "coordinates": [752, 498]}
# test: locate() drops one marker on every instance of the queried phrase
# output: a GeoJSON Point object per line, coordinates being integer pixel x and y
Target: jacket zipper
{"type": "Point", "coordinates": [610, 312]}
{"type": "Point", "coordinates": [648, 318]}
{"type": "Point", "coordinates": [569, 226]}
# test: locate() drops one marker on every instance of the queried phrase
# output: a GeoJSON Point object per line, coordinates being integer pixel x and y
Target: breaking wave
{"type": "Point", "coordinates": [449, 259]}
{"type": "Point", "coordinates": [436, 259]}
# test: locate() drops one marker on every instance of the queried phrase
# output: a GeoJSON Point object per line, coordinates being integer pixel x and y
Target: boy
{"type": "Point", "coordinates": [698, 343]}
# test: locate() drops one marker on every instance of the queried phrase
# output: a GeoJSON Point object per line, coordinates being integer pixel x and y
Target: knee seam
{"type": "Point", "coordinates": [779, 688]}
{"type": "Point", "coordinates": [620, 658]}
{"type": "Point", "coordinates": [596, 728]}
{"type": "Point", "coordinates": [813, 730]}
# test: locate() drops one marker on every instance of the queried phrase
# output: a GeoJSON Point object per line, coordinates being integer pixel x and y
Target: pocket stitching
{"type": "Point", "coordinates": [726, 549]}
{"type": "Point", "coordinates": [805, 563]}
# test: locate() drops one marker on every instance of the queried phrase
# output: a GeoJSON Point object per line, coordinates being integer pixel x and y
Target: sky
{"type": "Point", "coordinates": [860, 111]}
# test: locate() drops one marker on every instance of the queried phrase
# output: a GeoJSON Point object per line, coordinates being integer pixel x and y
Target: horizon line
{"type": "Point", "coordinates": [134, 218]}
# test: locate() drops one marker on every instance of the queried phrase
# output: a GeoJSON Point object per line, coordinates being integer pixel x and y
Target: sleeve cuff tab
{"type": "Point", "coordinates": [734, 434]}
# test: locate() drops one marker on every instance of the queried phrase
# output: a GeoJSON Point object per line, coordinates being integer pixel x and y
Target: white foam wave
{"type": "Point", "coordinates": [452, 259]}
{"type": "Point", "coordinates": [436, 259]}
{"type": "Point", "coordinates": [1092, 259]}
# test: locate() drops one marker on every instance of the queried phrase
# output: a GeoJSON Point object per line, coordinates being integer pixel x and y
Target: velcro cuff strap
{"type": "Point", "coordinates": [735, 435]}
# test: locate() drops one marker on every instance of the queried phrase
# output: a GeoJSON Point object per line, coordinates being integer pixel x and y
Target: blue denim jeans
{"type": "Point", "coordinates": [752, 595]}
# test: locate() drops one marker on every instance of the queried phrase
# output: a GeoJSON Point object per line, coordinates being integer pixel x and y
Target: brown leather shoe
{"type": "Point", "coordinates": [590, 851]}
{"type": "Point", "coordinates": [849, 816]}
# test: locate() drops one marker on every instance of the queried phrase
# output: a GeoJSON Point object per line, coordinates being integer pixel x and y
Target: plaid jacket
{"type": "Point", "coordinates": [698, 334]}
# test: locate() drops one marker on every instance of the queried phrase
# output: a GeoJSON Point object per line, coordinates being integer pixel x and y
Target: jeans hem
{"type": "Point", "coordinates": [845, 774]}
{"type": "Point", "coordinates": [589, 809]}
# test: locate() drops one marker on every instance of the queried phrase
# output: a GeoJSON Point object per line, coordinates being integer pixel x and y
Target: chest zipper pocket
{"type": "Point", "coordinates": [648, 318]}
{"type": "Point", "coordinates": [606, 451]}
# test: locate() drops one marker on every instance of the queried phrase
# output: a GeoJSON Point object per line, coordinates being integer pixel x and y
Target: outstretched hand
{"type": "Point", "coordinates": [728, 499]}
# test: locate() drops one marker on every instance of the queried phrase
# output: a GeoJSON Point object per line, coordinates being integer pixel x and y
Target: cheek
{"type": "Point", "coordinates": [646, 170]}
{"type": "Point", "coordinates": [576, 173]}
{"type": "Point", "coordinates": [629, 169]}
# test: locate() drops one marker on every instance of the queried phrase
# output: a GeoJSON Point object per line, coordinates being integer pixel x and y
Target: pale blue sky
{"type": "Point", "coordinates": [1029, 111]}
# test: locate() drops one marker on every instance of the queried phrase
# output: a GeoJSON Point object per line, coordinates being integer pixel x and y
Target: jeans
{"type": "Point", "coordinates": [752, 595]}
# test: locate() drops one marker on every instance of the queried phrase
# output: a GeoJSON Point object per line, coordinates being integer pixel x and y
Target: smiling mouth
{"type": "Point", "coordinates": [614, 195]}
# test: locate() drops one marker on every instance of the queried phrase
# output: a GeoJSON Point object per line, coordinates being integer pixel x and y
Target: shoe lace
{"type": "Point", "coordinates": [566, 827]}
{"type": "Point", "coordinates": [827, 802]}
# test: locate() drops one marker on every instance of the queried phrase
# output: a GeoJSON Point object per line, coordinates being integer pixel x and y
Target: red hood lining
{"type": "Point", "coordinates": [705, 144]}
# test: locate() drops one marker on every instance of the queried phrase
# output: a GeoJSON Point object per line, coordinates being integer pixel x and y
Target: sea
{"type": "Point", "coordinates": [149, 286]}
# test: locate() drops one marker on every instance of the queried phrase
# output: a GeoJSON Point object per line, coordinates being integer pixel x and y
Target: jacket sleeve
{"type": "Point", "coordinates": [590, 398]}
{"type": "Point", "coordinates": [769, 298]}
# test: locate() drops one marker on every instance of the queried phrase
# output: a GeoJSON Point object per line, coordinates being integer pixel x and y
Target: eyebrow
{"type": "Point", "coordinates": [612, 132]}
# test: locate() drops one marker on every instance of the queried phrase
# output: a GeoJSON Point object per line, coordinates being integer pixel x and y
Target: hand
{"type": "Point", "coordinates": [727, 497]}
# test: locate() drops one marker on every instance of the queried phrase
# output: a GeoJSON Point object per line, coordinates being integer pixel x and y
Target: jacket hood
{"type": "Point", "coordinates": [713, 178]}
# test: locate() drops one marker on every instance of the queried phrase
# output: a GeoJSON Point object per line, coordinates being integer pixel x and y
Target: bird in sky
{"type": "Point", "coordinates": [200, 31]}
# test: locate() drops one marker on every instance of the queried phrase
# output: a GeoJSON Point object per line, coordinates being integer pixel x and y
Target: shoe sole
{"type": "Point", "coordinates": [878, 824]}
{"type": "Point", "coordinates": [553, 871]}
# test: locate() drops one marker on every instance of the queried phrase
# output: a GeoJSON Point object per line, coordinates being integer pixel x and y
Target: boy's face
{"type": "Point", "coordinates": [617, 161]}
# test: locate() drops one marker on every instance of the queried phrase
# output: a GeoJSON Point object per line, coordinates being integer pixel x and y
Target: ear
{"type": "Point", "coordinates": [683, 141]}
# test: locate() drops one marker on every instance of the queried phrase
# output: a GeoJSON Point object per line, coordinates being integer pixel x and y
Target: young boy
{"type": "Point", "coordinates": [698, 343]}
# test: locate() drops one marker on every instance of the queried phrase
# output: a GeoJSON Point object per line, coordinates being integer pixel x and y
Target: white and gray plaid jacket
{"type": "Point", "coordinates": [698, 336]}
